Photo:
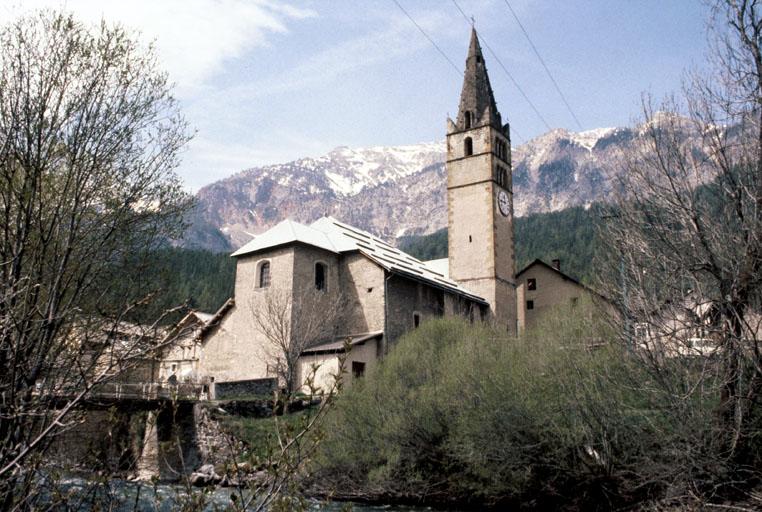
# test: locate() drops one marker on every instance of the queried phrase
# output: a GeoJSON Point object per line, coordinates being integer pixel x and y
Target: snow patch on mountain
{"type": "Point", "coordinates": [402, 189]}
{"type": "Point", "coordinates": [589, 138]}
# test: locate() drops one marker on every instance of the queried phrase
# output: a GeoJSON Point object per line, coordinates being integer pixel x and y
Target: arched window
{"type": "Point", "coordinates": [320, 273]}
{"type": "Point", "coordinates": [468, 146]}
{"type": "Point", "coordinates": [502, 177]}
{"type": "Point", "coordinates": [264, 274]}
{"type": "Point", "coordinates": [467, 119]}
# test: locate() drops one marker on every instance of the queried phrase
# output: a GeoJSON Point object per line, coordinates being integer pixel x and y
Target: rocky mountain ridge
{"type": "Point", "coordinates": [401, 190]}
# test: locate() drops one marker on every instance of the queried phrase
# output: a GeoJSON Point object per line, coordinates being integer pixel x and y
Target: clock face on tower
{"type": "Point", "coordinates": [504, 203]}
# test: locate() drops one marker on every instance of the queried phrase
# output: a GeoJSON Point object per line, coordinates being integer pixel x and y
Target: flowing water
{"type": "Point", "coordinates": [123, 496]}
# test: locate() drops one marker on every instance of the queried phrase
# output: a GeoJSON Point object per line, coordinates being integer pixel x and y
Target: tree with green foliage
{"type": "Point", "coordinates": [90, 136]}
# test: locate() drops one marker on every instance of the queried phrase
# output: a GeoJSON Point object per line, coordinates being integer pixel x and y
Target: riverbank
{"type": "Point", "coordinates": [127, 496]}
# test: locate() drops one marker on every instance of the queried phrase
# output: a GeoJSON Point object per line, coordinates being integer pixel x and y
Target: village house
{"type": "Point", "coordinates": [179, 359]}
{"type": "Point", "coordinates": [542, 288]}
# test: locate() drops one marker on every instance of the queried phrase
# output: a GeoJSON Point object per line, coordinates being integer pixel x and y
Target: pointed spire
{"type": "Point", "coordinates": [477, 103]}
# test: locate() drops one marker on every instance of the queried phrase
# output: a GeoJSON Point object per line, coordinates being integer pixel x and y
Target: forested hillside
{"type": "Point", "coordinates": [568, 235]}
{"type": "Point", "coordinates": [204, 279]}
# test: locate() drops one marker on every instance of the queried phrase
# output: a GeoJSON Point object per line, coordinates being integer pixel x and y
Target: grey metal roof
{"type": "Point", "coordinates": [337, 237]}
{"type": "Point", "coordinates": [391, 258]}
{"type": "Point", "coordinates": [339, 343]}
{"type": "Point", "coordinates": [286, 232]}
{"type": "Point", "coordinates": [441, 265]}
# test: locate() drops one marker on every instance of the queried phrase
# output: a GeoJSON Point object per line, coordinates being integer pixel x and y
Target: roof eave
{"type": "Point", "coordinates": [238, 253]}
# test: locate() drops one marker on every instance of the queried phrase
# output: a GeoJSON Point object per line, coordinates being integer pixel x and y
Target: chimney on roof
{"type": "Point", "coordinates": [557, 264]}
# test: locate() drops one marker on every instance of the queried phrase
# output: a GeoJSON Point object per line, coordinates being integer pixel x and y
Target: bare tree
{"type": "Point", "coordinates": [686, 233]}
{"type": "Point", "coordinates": [89, 138]}
{"type": "Point", "coordinates": [292, 322]}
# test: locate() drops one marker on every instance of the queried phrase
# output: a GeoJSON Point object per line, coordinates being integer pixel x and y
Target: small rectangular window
{"type": "Point", "coordinates": [264, 275]}
{"type": "Point", "coordinates": [416, 320]}
{"type": "Point", "coordinates": [358, 369]}
{"type": "Point", "coordinates": [530, 304]}
{"type": "Point", "coordinates": [320, 276]}
{"type": "Point", "coordinates": [531, 283]}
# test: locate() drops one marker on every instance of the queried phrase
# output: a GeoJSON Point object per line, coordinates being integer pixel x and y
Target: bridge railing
{"type": "Point", "coordinates": [150, 391]}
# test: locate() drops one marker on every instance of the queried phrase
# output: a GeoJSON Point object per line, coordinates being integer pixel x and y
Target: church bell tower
{"type": "Point", "coordinates": [480, 195]}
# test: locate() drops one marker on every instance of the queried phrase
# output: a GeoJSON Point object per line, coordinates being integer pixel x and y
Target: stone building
{"type": "Point", "coordinates": [386, 292]}
{"type": "Point", "coordinates": [543, 287]}
{"type": "Point", "coordinates": [480, 195]}
{"type": "Point", "coordinates": [179, 359]}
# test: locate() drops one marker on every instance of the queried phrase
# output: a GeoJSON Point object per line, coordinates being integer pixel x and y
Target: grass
{"type": "Point", "coordinates": [260, 434]}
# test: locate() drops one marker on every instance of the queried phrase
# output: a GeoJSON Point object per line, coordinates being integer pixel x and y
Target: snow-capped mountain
{"type": "Point", "coordinates": [391, 191]}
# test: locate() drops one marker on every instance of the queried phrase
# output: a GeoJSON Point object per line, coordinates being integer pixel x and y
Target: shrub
{"type": "Point", "coordinates": [463, 412]}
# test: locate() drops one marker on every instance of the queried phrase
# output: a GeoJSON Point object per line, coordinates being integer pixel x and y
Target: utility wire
{"type": "Point", "coordinates": [456, 68]}
{"type": "Point", "coordinates": [547, 70]}
{"type": "Point", "coordinates": [500, 63]}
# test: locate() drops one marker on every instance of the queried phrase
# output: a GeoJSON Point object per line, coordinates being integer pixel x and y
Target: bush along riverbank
{"type": "Point", "coordinates": [459, 414]}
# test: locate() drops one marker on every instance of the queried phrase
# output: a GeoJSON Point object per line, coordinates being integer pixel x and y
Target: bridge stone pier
{"type": "Point", "coordinates": [137, 430]}
{"type": "Point", "coordinates": [170, 442]}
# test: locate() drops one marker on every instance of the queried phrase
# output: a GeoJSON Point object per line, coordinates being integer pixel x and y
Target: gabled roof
{"type": "Point", "coordinates": [216, 318]}
{"type": "Point", "coordinates": [538, 261]}
{"type": "Point", "coordinates": [187, 328]}
{"type": "Point", "coordinates": [567, 277]}
{"type": "Point", "coordinates": [287, 232]}
{"type": "Point", "coordinates": [337, 237]}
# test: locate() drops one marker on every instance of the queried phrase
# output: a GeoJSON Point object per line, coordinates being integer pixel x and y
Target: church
{"type": "Point", "coordinates": [383, 292]}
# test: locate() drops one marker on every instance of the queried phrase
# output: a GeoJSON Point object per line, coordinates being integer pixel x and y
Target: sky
{"type": "Point", "coordinates": [268, 81]}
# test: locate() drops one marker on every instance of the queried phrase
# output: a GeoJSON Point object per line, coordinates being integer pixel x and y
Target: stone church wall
{"type": "Point", "coordinates": [236, 349]}
{"type": "Point", "coordinates": [305, 259]}
{"type": "Point", "coordinates": [406, 298]}
{"type": "Point", "coordinates": [362, 283]}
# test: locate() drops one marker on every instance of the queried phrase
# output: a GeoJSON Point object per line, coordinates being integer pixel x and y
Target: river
{"type": "Point", "coordinates": [124, 496]}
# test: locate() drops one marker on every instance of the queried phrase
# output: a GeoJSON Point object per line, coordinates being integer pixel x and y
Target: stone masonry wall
{"type": "Point", "coordinates": [362, 282]}
{"type": "Point", "coordinates": [552, 290]}
{"type": "Point", "coordinates": [405, 298]}
{"type": "Point", "coordinates": [237, 350]}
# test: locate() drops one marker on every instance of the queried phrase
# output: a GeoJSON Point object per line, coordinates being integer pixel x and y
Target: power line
{"type": "Point", "coordinates": [547, 70]}
{"type": "Point", "coordinates": [500, 63]}
{"type": "Point", "coordinates": [456, 68]}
